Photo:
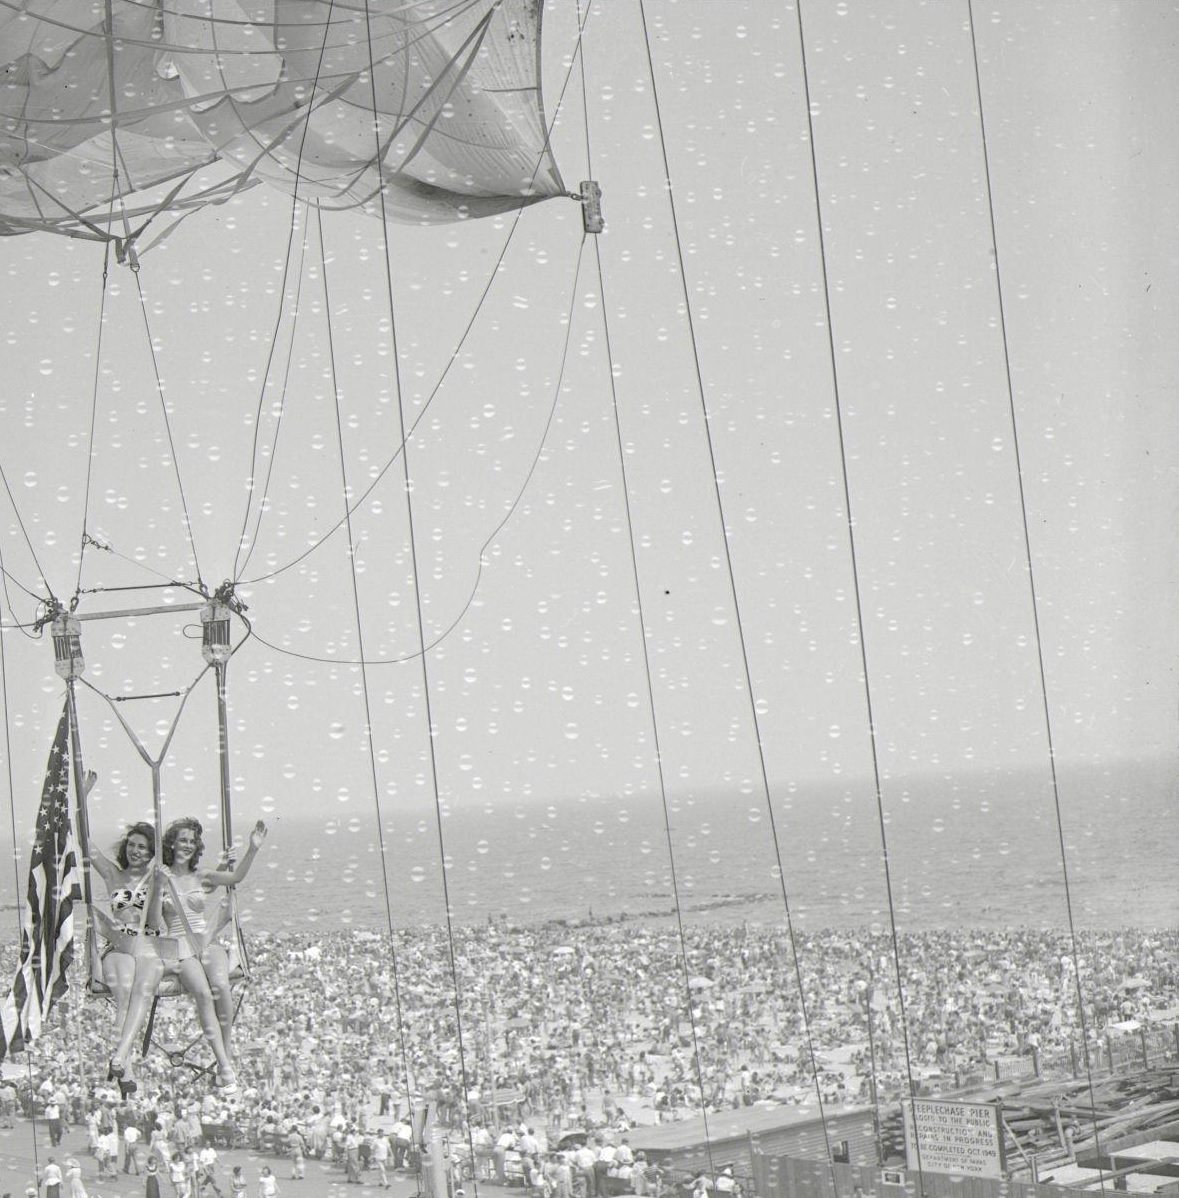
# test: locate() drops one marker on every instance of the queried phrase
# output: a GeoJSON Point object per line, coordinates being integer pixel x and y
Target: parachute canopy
{"type": "Point", "coordinates": [175, 104]}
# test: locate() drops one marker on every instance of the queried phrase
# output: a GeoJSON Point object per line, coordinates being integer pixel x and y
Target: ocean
{"type": "Point", "coordinates": [981, 853]}
{"type": "Point", "coordinates": [976, 852]}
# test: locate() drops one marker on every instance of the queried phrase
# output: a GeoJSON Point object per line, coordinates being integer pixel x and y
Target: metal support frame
{"type": "Point", "coordinates": [179, 1057]}
{"type": "Point", "coordinates": [128, 612]}
{"type": "Point", "coordinates": [216, 648]}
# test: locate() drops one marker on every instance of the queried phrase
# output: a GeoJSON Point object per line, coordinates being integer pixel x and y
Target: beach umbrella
{"type": "Point", "coordinates": [700, 982]}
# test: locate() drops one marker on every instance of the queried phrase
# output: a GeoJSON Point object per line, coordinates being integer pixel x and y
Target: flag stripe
{"type": "Point", "coordinates": [47, 931]}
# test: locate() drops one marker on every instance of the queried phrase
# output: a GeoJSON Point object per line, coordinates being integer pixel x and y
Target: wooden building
{"type": "Point", "coordinates": [732, 1138]}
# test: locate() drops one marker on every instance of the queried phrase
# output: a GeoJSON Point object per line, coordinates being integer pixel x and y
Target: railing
{"type": "Point", "coordinates": [1116, 1052]}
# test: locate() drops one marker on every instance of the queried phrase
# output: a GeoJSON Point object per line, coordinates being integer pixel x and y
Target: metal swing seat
{"type": "Point", "coordinates": [216, 648]}
{"type": "Point", "coordinates": [171, 987]}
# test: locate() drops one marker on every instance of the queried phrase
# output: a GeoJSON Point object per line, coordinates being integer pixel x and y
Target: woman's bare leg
{"type": "Point", "coordinates": [148, 971]}
{"type": "Point", "coordinates": [118, 972]}
{"type": "Point", "coordinates": [196, 982]}
{"type": "Point", "coordinates": [216, 962]}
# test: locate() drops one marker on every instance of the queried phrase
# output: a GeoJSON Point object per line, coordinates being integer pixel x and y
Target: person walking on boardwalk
{"type": "Point", "coordinates": [131, 1137]}
{"type": "Point", "coordinates": [51, 1179]}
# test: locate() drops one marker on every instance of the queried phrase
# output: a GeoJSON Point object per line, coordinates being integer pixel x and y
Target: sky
{"type": "Point", "coordinates": [973, 334]}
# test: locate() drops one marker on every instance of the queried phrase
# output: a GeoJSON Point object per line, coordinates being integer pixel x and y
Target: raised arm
{"type": "Point", "coordinates": [108, 871]}
{"type": "Point", "coordinates": [106, 868]}
{"type": "Point", "coordinates": [231, 877]}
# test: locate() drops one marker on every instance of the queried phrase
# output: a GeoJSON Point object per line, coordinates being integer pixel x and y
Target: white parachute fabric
{"type": "Point", "coordinates": [274, 90]}
{"type": "Point", "coordinates": [58, 169]}
{"type": "Point", "coordinates": [459, 127]}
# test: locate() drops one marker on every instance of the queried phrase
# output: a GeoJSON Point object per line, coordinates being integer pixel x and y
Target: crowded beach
{"type": "Point", "coordinates": [568, 1026]}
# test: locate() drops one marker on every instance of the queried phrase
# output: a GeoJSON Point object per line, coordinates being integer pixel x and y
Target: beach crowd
{"type": "Point", "coordinates": [343, 1039]}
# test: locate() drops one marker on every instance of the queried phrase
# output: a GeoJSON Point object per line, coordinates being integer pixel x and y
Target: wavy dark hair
{"type": "Point", "coordinates": [173, 830]}
{"type": "Point", "coordinates": [140, 829]}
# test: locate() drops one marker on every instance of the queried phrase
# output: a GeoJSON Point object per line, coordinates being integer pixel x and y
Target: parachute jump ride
{"type": "Point", "coordinates": [121, 121]}
{"type": "Point", "coordinates": [778, 596]}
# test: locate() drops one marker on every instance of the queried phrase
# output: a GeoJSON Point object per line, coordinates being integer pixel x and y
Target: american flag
{"type": "Point", "coordinates": [47, 934]}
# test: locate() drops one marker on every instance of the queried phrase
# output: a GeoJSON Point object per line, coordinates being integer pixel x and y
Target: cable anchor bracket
{"type": "Point", "coordinates": [216, 642]}
{"type": "Point", "coordinates": [590, 197]}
